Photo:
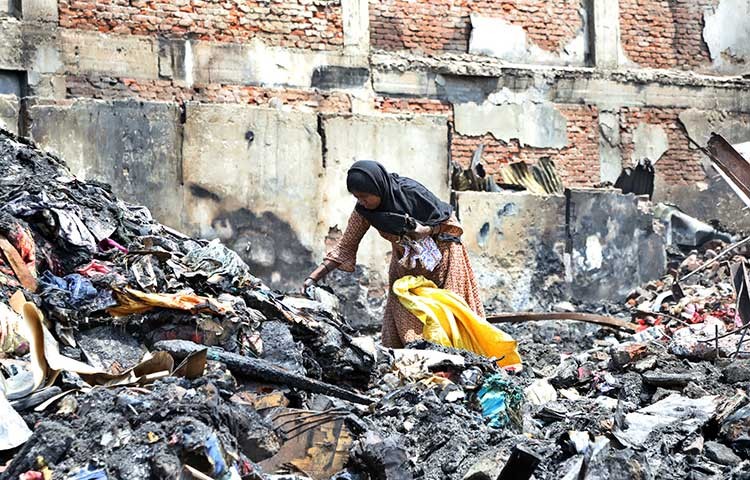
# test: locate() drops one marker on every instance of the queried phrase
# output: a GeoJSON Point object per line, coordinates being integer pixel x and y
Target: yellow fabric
{"type": "Point", "coordinates": [449, 321]}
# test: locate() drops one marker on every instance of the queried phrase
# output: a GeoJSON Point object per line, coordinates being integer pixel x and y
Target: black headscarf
{"type": "Point", "coordinates": [401, 198]}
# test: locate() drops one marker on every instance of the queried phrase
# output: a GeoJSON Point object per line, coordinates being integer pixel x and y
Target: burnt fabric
{"type": "Point", "coordinates": [401, 199]}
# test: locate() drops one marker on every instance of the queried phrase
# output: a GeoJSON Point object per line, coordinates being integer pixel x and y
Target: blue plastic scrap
{"type": "Point", "coordinates": [98, 474]}
{"type": "Point", "coordinates": [215, 455]}
{"type": "Point", "coordinates": [498, 398]}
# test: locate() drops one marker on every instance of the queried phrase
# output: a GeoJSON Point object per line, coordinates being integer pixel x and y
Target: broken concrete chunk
{"type": "Point", "coordinates": [540, 392]}
{"type": "Point", "coordinates": [385, 457]}
{"type": "Point", "coordinates": [696, 446]}
{"type": "Point", "coordinates": [566, 374]}
{"type": "Point", "coordinates": [721, 454]}
{"type": "Point", "coordinates": [521, 464]}
{"type": "Point", "coordinates": [662, 379]}
{"type": "Point", "coordinates": [648, 363]}
{"type": "Point", "coordinates": [627, 353]}
{"type": "Point", "coordinates": [694, 390]}
{"type": "Point", "coordinates": [690, 413]}
{"type": "Point", "coordinates": [736, 429]}
{"type": "Point", "coordinates": [737, 371]}
{"type": "Point", "coordinates": [487, 467]}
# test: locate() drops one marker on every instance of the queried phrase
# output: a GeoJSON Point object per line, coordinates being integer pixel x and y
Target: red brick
{"type": "Point", "coordinates": [680, 164]}
{"type": "Point", "coordinates": [664, 34]}
{"type": "Point", "coordinates": [437, 26]}
{"type": "Point", "coordinates": [577, 164]}
{"type": "Point", "coordinates": [221, 21]}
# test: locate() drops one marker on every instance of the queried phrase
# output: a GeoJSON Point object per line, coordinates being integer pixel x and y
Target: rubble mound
{"type": "Point", "coordinates": [129, 350]}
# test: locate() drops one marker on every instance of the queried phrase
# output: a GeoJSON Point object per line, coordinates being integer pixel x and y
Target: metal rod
{"type": "Point", "coordinates": [739, 344]}
{"type": "Point", "coordinates": [577, 316]}
{"type": "Point", "coordinates": [716, 258]}
{"type": "Point", "coordinates": [716, 344]}
{"type": "Point", "coordinates": [733, 332]}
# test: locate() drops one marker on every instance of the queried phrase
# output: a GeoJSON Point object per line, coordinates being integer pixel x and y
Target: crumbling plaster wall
{"type": "Point", "coordinates": [531, 251]}
{"type": "Point", "coordinates": [134, 146]}
{"type": "Point", "coordinates": [262, 180]}
{"type": "Point", "coordinates": [683, 174]}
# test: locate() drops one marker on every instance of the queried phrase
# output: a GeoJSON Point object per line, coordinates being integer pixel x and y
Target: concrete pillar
{"type": "Point", "coordinates": [606, 33]}
{"type": "Point", "coordinates": [40, 11]}
{"type": "Point", "coordinates": [356, 19]}
{"type": "Point", "coordinates": [10, 8]}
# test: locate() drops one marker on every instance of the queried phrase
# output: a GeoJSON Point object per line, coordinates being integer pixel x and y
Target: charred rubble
{"type": "Point", "coordinates": [132, 351]}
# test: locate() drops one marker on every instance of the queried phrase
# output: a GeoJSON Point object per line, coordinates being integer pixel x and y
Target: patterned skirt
{"type": "Point", "coordinates": [454, 273]}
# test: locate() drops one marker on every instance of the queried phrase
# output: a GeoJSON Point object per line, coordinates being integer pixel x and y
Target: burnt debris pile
{"type": "Point", "coordinates": [129, 350]}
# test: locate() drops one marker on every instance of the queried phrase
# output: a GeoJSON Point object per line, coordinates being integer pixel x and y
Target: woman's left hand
{"type": "Point", "coordinates": [420, 232]}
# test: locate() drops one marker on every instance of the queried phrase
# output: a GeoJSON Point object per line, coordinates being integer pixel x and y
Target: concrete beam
{"type": "Point", "coordinates": [606, 33]}
{"type": "Point", "coordinates": [118, 55]}
{"type": "Point", "coordinates": [258, 64]}
{"type": "Point", "coordinates": [608, 92]}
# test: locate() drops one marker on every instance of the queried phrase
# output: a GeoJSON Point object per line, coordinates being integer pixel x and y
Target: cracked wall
{"type": "Point", "coordinates": [727, 35]}
{"type": "Point", "coordinates": [532, 251]}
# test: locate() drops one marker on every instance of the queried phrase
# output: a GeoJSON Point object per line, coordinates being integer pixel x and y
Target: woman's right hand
{"type": "Point", "coordinates": [319, 273]}
{"type": "Point", "coordinates": [309, 282]}
{"type": "Point", "coordinates": [422, 231]}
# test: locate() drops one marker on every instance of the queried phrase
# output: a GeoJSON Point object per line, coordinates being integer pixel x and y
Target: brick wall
{"type": "Point", "coordinates": [413, 105]}
{"type": "Point", "coordinates": [309, 24]}
{"type": "Point", "coordinates": [680, 164]}
{"type": "Point", "coordinates": [436, 26]}
{"type": "Point", "coordinates": [577, 164]}
{"type": "Point", "coordinates": [664, 33]}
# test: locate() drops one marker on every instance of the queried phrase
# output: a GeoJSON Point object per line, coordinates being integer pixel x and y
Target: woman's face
{"type": "Point", "coordinates": [367, 200]}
